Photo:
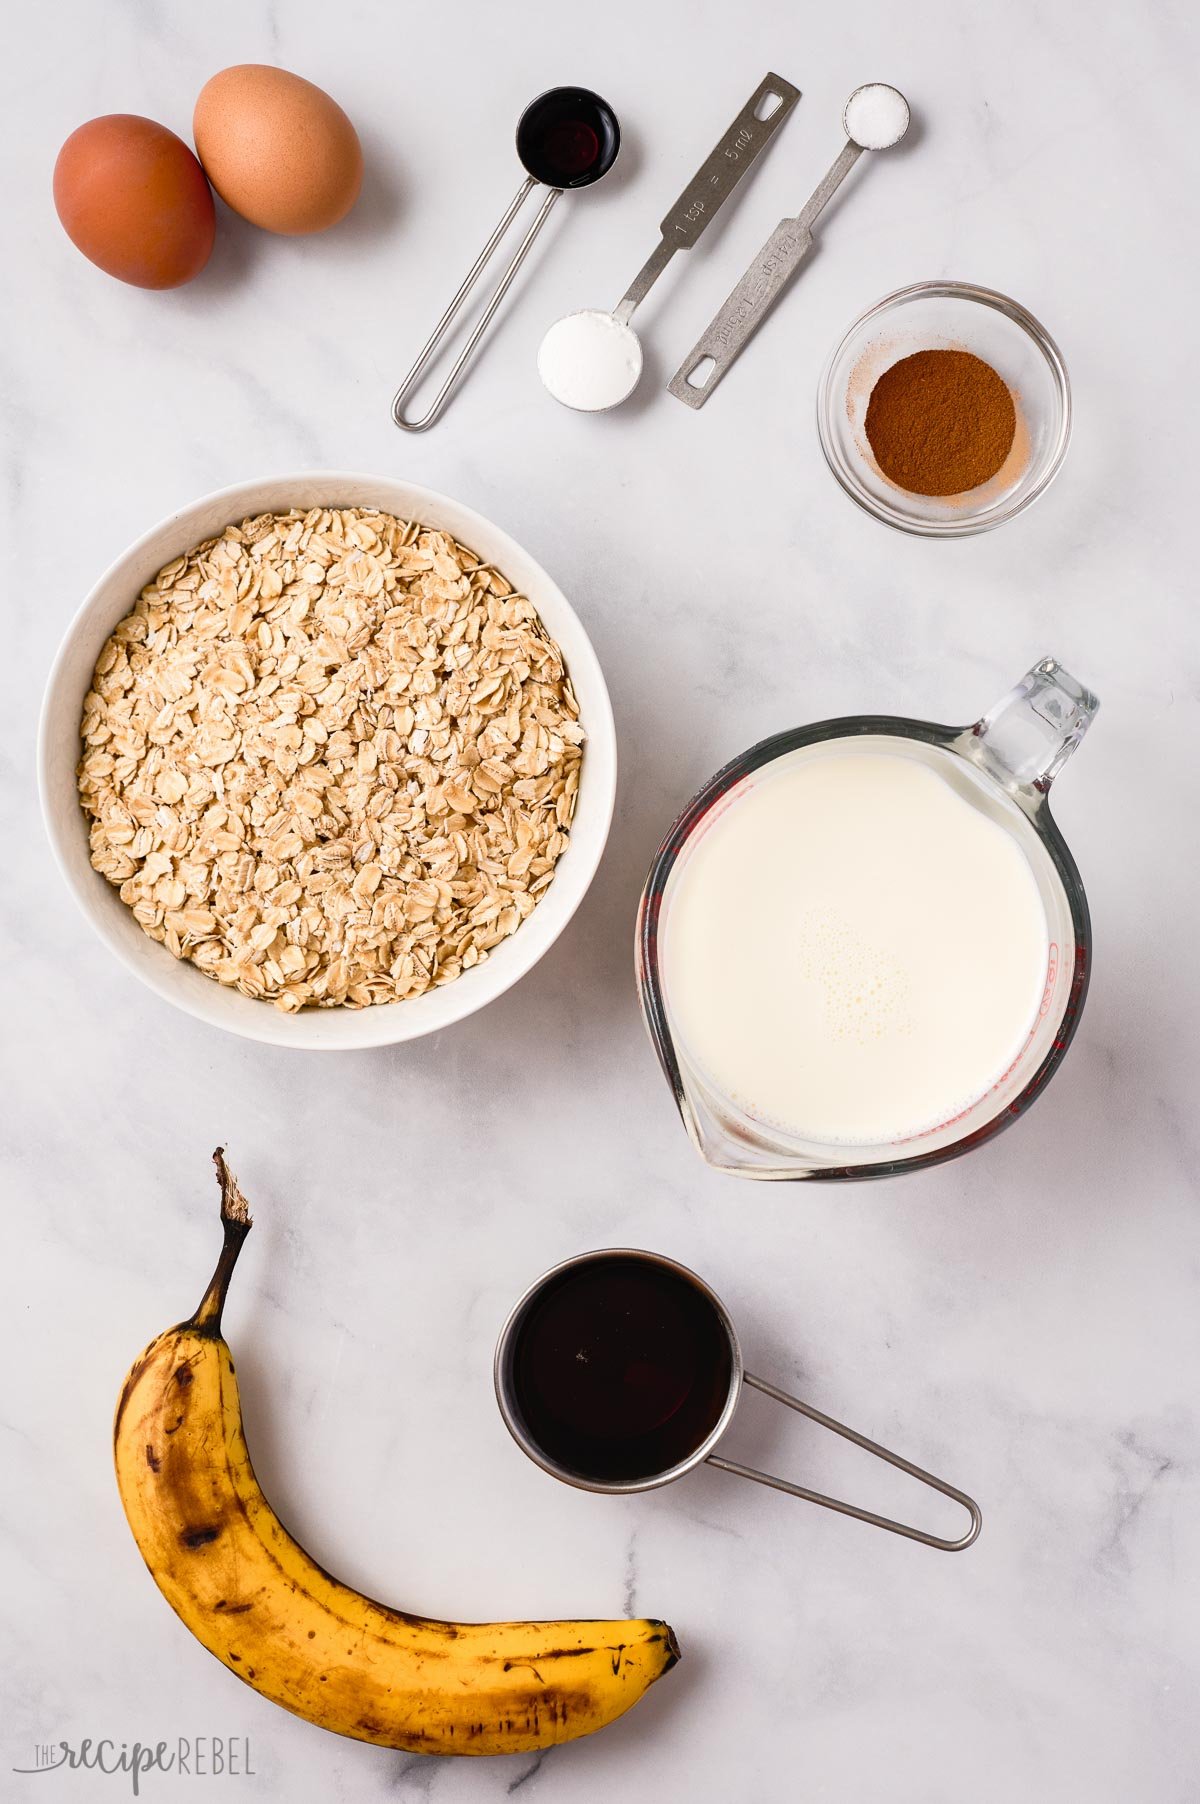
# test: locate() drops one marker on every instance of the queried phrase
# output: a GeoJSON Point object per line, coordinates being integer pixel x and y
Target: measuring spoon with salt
{"type": "Point", "coordinates": [874, 118]}
{"type": "Point", "coordinates": [592, 360]}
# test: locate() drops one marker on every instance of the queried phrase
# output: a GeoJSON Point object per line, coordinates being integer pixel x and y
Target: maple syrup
{"type": "Point", "coordinates": [621, 1368]}
{"type": "Point", "coordinates": [568, 138]}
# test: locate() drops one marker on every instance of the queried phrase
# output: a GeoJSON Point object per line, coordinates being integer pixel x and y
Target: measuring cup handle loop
{"type": "Point", "coordinates": [454, 309]}
{"type": "Point", "coordinates": [849, 1509]}
{"type": "Point", "coordinates": [1024, 741]}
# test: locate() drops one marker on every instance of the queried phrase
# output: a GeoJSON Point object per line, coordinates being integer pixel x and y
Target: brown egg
{"type": "Point", "coordinates": [133, 198]}
{"type": "Point", "coordinates": [276, 149]}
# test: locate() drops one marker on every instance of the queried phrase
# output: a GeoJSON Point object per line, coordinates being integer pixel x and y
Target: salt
{"type": "Point", "coordinates": [876, 116]}
{"type": "Point", "coordinates": [590, 360]}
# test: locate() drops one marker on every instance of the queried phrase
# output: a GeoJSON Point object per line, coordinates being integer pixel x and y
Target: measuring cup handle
{"type": "Point", "coordinates": [1025, 740]}
{"type": "Point", "coordinates": [443, 326]}
{"type": "Point", "coordinates": [850, 1509]}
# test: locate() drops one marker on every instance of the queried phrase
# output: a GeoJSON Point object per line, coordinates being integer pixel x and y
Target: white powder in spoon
{"type": "Point", "coordinates": [876, 116]}
{"type": "Point", "coordinates": [589, 360]}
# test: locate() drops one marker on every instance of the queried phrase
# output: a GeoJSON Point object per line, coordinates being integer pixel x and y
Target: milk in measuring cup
{"type": "Point", "coordinates": [854, 947]}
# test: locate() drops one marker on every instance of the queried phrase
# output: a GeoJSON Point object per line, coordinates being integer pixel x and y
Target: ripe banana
{"type": "Point", "coordinates": [251, 1594]}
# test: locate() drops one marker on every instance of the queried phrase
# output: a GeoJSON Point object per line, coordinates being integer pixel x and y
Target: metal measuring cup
{"type": "Point", "coordinates": [566, 138]}
{"type": "Point", "coordinates": [704, 1449]}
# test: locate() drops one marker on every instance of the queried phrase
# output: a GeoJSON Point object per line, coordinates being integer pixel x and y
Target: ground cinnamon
{"type": "Point", "coordinates": [940, 422]}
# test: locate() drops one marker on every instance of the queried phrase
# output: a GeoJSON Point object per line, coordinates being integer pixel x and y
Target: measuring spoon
{"type": "Point", "coordinates": [566, 138]}
{"type": "Point", "coordinates": [592, 360]}
{"type": "Point", "coordinates": [875, 117]}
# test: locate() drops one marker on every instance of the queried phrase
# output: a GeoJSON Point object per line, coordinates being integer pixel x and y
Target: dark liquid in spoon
{"type": "Point", "coordinates": [568, 138]}
{"type": "Point", "coordinates": [621, 1368]}
{"type": "Point", "coordinates": [570, 146]}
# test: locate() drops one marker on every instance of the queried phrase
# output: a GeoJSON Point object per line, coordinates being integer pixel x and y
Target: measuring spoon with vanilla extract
{"type": "Point", "coordinates": [567, 138]}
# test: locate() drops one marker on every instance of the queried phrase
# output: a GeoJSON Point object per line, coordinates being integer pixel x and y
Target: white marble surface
{"type": "Point", "coordinates": [1027, 1321]}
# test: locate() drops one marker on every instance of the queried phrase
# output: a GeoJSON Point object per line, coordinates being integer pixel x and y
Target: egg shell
{"type": "Point", "coordinates": [277, 149]}
{"type": "Point", "coordinates": [133, 198]}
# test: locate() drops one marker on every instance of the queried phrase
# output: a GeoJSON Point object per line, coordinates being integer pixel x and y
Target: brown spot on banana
{"type": "Point", "coordinates": [135, 1372]}
{"type": "Point", "coordinates": [510, 1665]}
{"type": "Point", "coordinates": [199, 1537]}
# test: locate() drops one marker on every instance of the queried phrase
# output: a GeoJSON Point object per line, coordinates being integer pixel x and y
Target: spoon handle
{"type": "Point", "coordinates": [714, 182]}
{"type": "Point", "coordinates": [502, 287]}
{"type": "Point", "coordinates": [644, 281]}
{"type": "Point", "coordinates": [746, 308]}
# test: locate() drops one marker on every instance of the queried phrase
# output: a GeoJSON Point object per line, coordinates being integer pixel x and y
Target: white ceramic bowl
{"type": "Point", "coordinates": [180, 982]}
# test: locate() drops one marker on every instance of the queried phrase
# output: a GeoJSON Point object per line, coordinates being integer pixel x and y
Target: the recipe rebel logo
{"type": "Point", "coordinates": [200, 1757]}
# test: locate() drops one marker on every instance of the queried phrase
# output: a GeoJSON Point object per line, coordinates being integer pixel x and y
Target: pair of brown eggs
{"type": "Point", "coordinates": [135, 200]}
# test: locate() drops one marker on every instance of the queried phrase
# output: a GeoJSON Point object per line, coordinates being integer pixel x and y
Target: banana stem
{"type": "Point", "coordinates": [235, 1218]}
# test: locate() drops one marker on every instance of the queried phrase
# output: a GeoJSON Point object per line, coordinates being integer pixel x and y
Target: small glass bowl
{"type": "Point", "coordinates": [954, 316]}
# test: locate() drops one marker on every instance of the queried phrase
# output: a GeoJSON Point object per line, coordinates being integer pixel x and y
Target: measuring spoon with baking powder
{"type": "Point", "coordinates": [592, 360]}
{"type": "Point", "coordinates": [874, 118]}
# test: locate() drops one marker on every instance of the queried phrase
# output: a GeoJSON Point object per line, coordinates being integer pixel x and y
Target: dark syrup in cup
{"type": "Point", "coordinates": [620, 1369]}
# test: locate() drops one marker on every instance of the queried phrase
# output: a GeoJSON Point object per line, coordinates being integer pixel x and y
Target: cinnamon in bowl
{"type": "Point", "coordinates": [945, 410]}
{"type": "Point", "coordinates": [941, 422]}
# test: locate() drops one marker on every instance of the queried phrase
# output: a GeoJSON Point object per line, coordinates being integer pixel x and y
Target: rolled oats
{"type": "Point", "coordinates": [331, 758]}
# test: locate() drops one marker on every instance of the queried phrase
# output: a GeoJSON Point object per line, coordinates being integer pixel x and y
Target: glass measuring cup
{"type": "Point", "coordinates": [620, 1370]}
{"type": "Point", "coordinates": [1004, 764]}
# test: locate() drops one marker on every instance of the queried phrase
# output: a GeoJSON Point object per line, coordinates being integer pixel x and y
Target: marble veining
{"type": "Point", "coordinates": [1027, 1321]}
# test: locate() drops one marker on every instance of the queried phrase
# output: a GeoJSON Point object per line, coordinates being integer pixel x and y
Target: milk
{"type": "Point", "coordinates": [852, 948]}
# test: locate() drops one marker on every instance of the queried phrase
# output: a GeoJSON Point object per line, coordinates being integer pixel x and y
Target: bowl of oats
{"type": "Point", "coordinates": [327, 760]}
